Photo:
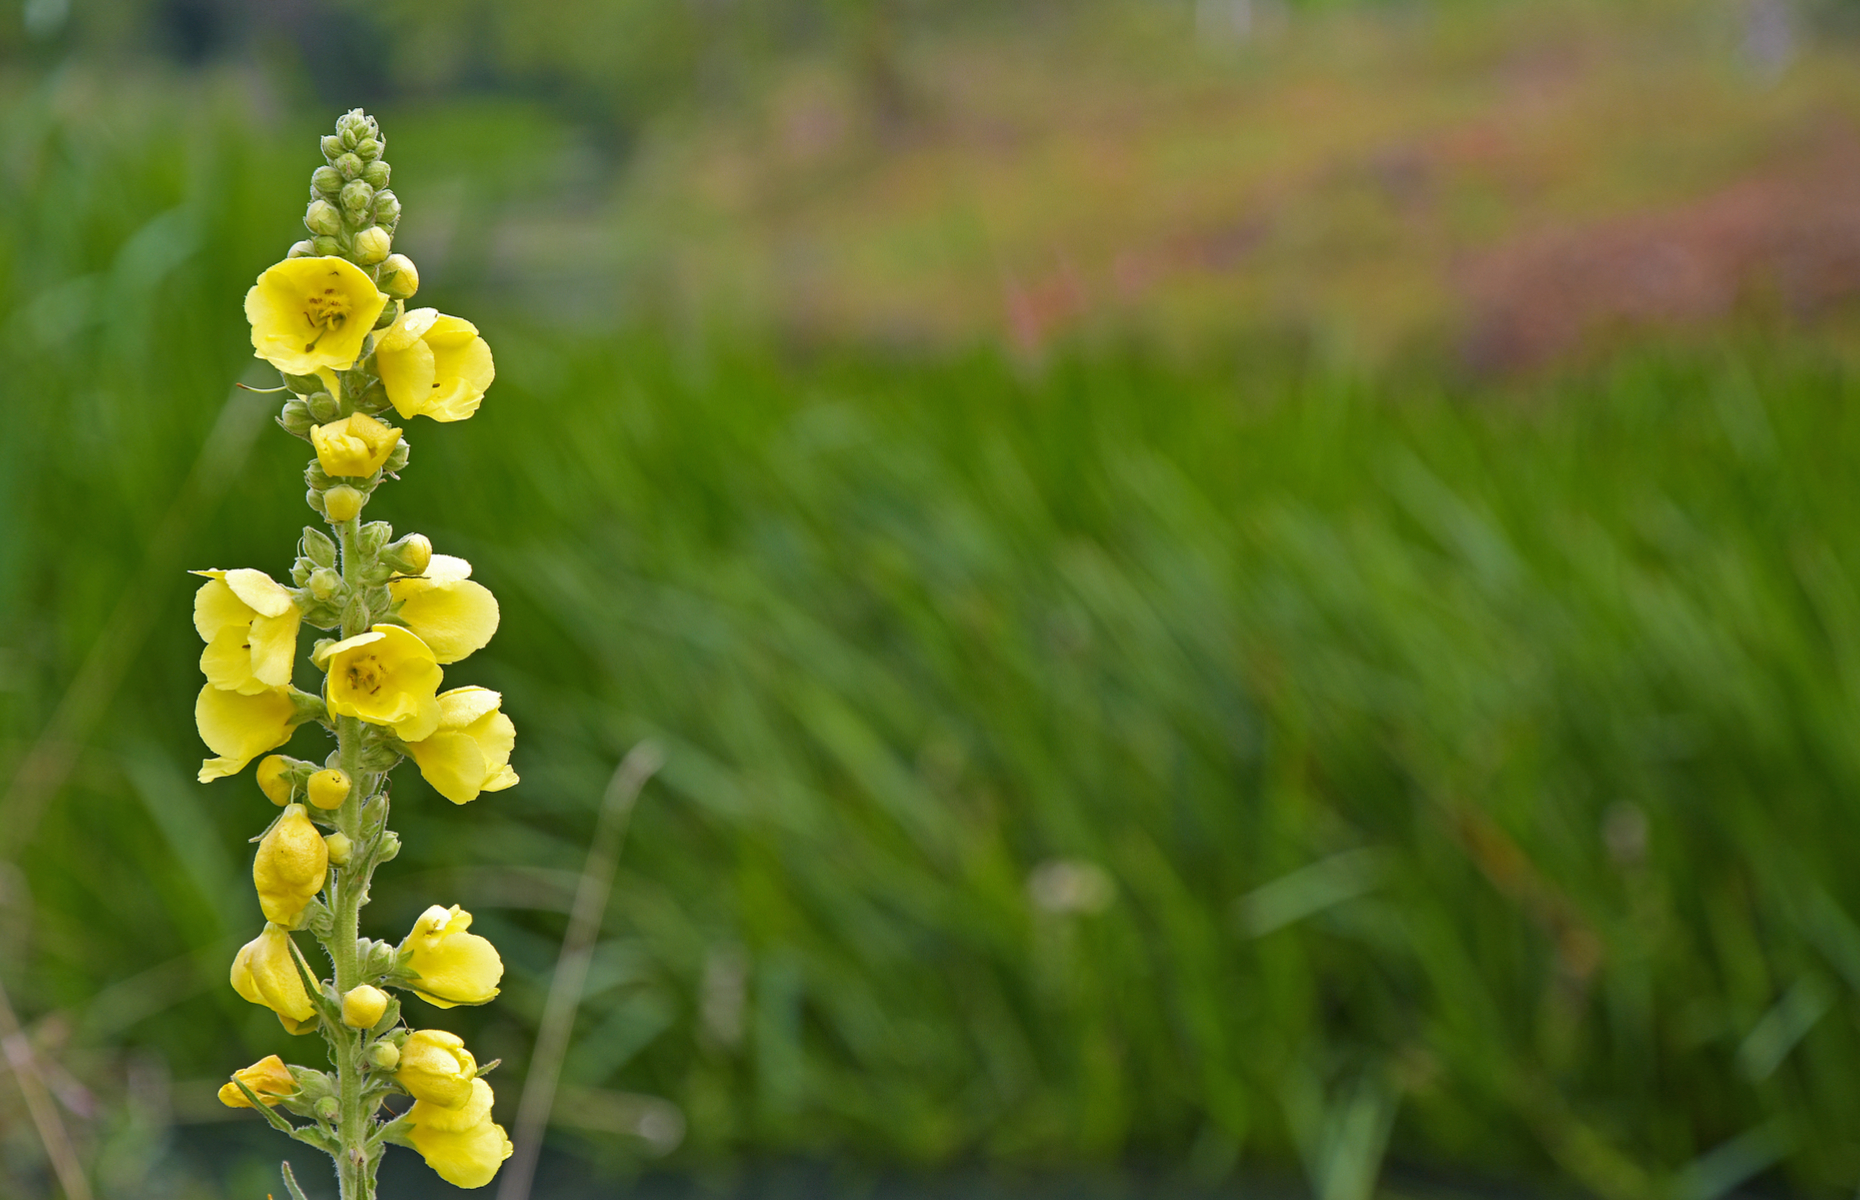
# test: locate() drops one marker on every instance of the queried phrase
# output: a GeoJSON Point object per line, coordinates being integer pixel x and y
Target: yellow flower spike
{"type": "Point", "coordinates": [470, 751]}
{"type": "Point", "coordinates": [434, 366]}
{"type": "Point", "coordinates": [274, 779]}
{"type": "Point", "coordinates": [291, 867]}
{"type": "Point", "coordinates": [249, 623]}
{"type": "Point", "coordinates": [387, 676]}
{"type": "Point", "coordinates": [362, 1006]}
{"type": "Point", "coordinates": [467, 1159]}
{"type": "Point", "coordinates": [436, 1067]}
{"type": "Point", "coordinates": [238, 728]}
{"type": "Point", "coordinates": [328, 788]}
{"type": "Point", "coordinates": [269, 1079]}
{"type": "Point", "coordinates": [264, 973]}
{"type": "Point", "coordinates": [308, 313]}
{"type": "Point", "coordinates": [455, 967]}
{"type": "Point", "coordinates": [451, 614]}
{"type": "Point", "coordinates": [357, 445]}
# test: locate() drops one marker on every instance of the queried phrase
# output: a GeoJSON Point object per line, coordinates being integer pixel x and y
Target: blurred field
{"type": "Point", "coordinates": [1206, 757]}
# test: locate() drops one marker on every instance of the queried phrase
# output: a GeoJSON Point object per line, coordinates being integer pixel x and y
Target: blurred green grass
{"type": "Point", "coordinates": [1470, 766]}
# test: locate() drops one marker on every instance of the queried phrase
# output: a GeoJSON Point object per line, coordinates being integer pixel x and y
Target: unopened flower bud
{"type": "Point", "coordinates": [328, 788]}
{"type": "Point", "coordinates": [410, 555]}
{"type": "Point", "coordinates": [389, 315]}
{"type": "Point", "coordinates": [332, 146]}
{"type": "Point", "coordinates": [373, 244]}
{"type": "Point", "coordinates": [274, 779]}
{"type": "Point", "coordinates": [342, 503]}
{"type": "Point", "coordinates": [326, 245]}
{"type": "Point", "coordinates": [318, 548]}
{"type": "Point", "coordinates": [390, 845]}
{"type": "Point", "coordinates": [387, 207]}
{"type": "Point", "coordinates": [385, 1056]}
{"type": "Point", "coordinates": [324, 407]}
{"type": "Point", "coordinates": [327, 180]}
{"type": "Point", "coordinates": [348, 165]}
{"type": "Point", "coordinates": [356, 195]}
{"type": "Point", "coordinates": [398, 459]}
{"type": "Point", "coordinates": [368, 148]}
{"type": "Point", "coordinates": [329, 1108]}
{"type": "Point", "coordinates": [314, 499]}
{"type": "Point", "coordinates": [399, 277]}
{"type": "Point", "coordinates": [324, 582]}
{"type": "Point", "coordinates": [303, 249]}
{"type": "Point", "coordinates": [290, 866]}
{"type": "Point", "coordinates": [339, 848]}
{"type": "Point", "coordinates": [296, 418]}
{"type": "Point", "coordinates": [362, 1006]}
{"type": "Point", "coordinates": [376, 174]}
{"type": "Point", "coordinates": [375, 535]}
{"type": "Point", "coordinates": [322, 217]}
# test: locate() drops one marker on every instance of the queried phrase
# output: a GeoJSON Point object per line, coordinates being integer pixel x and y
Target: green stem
{"type": "Point", "coordinates": [354, 1165]}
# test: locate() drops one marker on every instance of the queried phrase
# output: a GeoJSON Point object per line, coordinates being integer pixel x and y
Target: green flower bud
{"type": "Point", "coordinates": [372, 244]}
{"type": "Point", "coordinates": [326, 245]}
{"type": "Point", "coordinates": [397, 458]}
{"type": "Point", "coordinates": [375, 535]}
{"type": "Point", "coordinates": [399, 277]}
{"type": "Point", "coordinates": [368, 148]}
{"type": "Point", "coordinates": [324, 582]}
{"type": "Point", "coordinates": [350, 136]}
{"type": "Point", "coordinates": [374, 399]}
{"type": "Point", "coordinates": [332, 147]}
{"type": "Point", "coordinates": [300, 571]}
{"type": "Point", "coordinates": [389, 314]}
{"type": "Point", "coordinates": [296, 418]}
{"type": "Point", "coordinates": [322, 217]}
{"type": "Point", "coordinates": [387, 207]}
{"type": "Point", "coordinates": [328, 1108]}
{"type": "Point", "coordinates": [340, 848]}
{"type": "Point", "coordinates": [376, 174]}
{"type": "Point", "coordinates": [343, 503]}
{"type": "Point", "coordinates": [303, 249]}
{"type": "Point", "coordinates": [390, 845]}
{"type": "Point", "coordinates": [314, 499]}
{"type": "Point", "coordinates": [323, 407]}
{"type": "Point", "coordinates": [326, 180]}
{"type": "Point", "coordinates": [356, 195]}
{"type": "Point", "coordinates": [317, 477]}
{"type": "Point", "coordinates": [349, 165]}
{"type": "Point", "coordinates": [384, 1056]}
{"type": "Point", "coordinates": [317, 547]}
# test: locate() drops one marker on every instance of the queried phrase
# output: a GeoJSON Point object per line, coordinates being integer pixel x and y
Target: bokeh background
{"type": "Point", "coordinates": [1240, 596]}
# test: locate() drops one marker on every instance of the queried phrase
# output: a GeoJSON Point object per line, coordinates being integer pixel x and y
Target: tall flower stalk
{"type": "Point", "coordinates": [333, 319]}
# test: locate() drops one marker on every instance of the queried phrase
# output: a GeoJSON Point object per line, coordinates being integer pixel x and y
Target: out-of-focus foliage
{"type": "Point", "coordinates": [1234, 764]}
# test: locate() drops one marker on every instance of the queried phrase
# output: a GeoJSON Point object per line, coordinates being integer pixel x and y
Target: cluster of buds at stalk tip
{"type": "Point", "coordinates": [332, 317]}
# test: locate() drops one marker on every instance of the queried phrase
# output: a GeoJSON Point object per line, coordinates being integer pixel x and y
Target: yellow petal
{"type": "Point", "coordinates": [453, 764]}
{"type": "Point", "coordinates": [455, 618]}
{"type": "Point", "coordinates": [263, 972]}
{"type": "Point", "coordinates": [407, 374]}
{"type": "Point", "coordinates": [455, 967]}
{"type": "Point", "coordinates": [463, 369]}
{"type": "Point", "coordinates": [239, 728]}
{"type": "Point", "coordinates": [217, 607]}
{"type": "Point", "coordinates": [274, 647]}
{"type": "Point", "coordinates": [291, 866]}
{"type": "Point", "coordinates": [468, 1159]}
{"type": "Point", "coordinates": [387, 676]}
{"type": "Point", "coordinates": [313, 312]}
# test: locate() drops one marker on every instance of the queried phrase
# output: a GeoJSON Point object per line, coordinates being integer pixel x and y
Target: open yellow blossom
{"type": "Point", "coordinates": [463, 1145]}
{"type": "Point", "coordinates": [291, 866]}
{"type": "Point", "coordinates": [470, 751]}
{"type": "Point", "coordinates": [451, 614]}
{"type": "Point", "coordinates": [264, 974]}
{"type": "Point", "coordinates": [454, 967]}
{"type": "Point", "coordinates": [434, 366]}
{"type": "Point", "coordinates": [269, 1079]}
{"type": "Point", "coordinates": [386, 676]}
{"type": "Point", "coordinates": [249, 624]}
{"type": "Point", "coordinates": [436, 1067]}
{"type": "Point", "coordinates": [308, 313]}
{"type": "Point", "coordinates": [238, 728]}
{"type": "Point", "coordinates": [356, 445]}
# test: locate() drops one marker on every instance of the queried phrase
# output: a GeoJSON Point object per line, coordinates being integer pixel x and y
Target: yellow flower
{"type": "Point", "coordinates": [455, 967]}
{"type": "Point", "coordinates": [239, 728]}
{"type": "Point", "coordinates": [436, 1067]}
{"type": "Point", "coordinates": [363, 1005]}
{"type": "Point", "coordinates": [451, 614]}
{"type": "Point", "coordinates": [356, 445]}
{"type": "Point", "coordinates": [434, 366]}
{"type": "Point", "coordinates": [312, 312]}
{"type": "Point", "coordinates": [249, 624]}
{"type": "Point", "coordinates": [291, 866]}
{"type": "Point", "coordinates": [269, 1079]}
{"type": "Point", "coordinates": [470, 751]}
{"type": "Point", "coordinates": [462, 1144]}
{"type": "Point", "coordinates": [386, 676]}
{"type": "Point", "coordinates": [264, 973]}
